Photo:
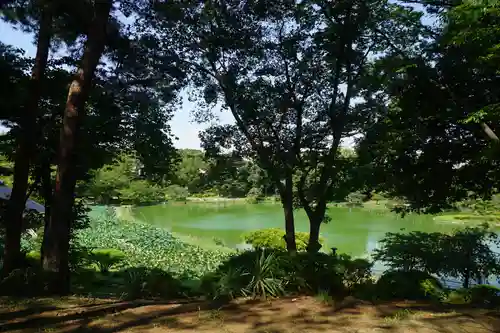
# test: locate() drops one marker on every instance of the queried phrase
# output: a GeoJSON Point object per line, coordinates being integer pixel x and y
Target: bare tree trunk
{"type": "Point", "coordinates": [47, 196]}
{"type": "Point", "coordinates": [316, 217]}
{"type": "Point", "coordinates": [313, 245]}
{"type": "Point", "coordinates": [286, 194]}
{"type": "Point", "coordinates": [57, 233]}
{"type": "Point", "coordinates": [26, 148]}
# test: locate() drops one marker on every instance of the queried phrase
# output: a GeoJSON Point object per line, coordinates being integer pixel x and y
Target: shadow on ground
{"type": "Point", "coordinates": [279, 316]}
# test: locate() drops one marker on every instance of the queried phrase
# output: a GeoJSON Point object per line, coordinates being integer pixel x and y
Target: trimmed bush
{"type": "Point", "coordinates": [273, 239]}
{"type": "Point", "coordinates": [105, 259]}
{"type": "Point", "coordinates": [33, 259]}
{"type": "Point", "coordinates": [405, 285]}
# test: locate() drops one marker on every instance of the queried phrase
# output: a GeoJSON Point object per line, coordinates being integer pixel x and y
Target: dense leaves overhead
{"type": "Point", "coordinates": [435, 140]}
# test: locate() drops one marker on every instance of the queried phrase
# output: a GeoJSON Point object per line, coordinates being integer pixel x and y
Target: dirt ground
{"type": "Point", "coordinates": [302, 315]}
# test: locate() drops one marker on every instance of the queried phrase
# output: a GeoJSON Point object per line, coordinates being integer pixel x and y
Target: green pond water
{"type": "Point", "coordinates": [355, 231]}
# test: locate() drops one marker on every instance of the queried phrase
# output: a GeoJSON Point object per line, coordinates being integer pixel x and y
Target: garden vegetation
{"type": "Point", "coordinates": [88, 119]}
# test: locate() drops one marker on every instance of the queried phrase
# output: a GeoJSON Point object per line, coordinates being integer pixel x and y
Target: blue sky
{"type": "Point", "coordinates": [182, 125]}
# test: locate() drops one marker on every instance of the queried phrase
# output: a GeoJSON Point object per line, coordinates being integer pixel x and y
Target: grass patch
{"type": "Point", "coordinates": [491, 218]}
{"type": "Point", "coordinates": [325, 298]}
{"type": "Point", "coordinates": [399, 315]}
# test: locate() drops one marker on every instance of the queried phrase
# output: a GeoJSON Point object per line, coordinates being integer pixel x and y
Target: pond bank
{"type": "Point", "coordinates": [469, 219]}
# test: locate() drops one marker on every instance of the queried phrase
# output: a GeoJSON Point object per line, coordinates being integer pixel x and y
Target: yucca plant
{"type": "Point", "coordinates": [230, 283]}
{"type": "Point", "coordinates": [265, 278]}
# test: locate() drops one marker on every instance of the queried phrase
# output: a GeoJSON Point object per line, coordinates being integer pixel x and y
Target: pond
{"type": "Point", "coordinates": [354, 231]}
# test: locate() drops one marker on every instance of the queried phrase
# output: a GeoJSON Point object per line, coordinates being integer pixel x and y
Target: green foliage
{"type": "Point", "coordinates": [252, 273]}
{"type": "Point", "coordinates": [324, 297]}
{"type": "Point", "coordinates": [273, 239]}
{"type": "Point", "coordinates": [355, 272]}
{"type": "Point", "coordinates": [29, 281]}
{"type": "Point", "coordinates": [479, 295]}
{"type": "Point", "coordinates": [105, 259]}
{"type": "Point", "coordinates": [439, 129]}
{"type": "Point", "coordinates": [33, 259]}
{"type": "Point", "coordinates": [433, 290]}
{"type": "Point", "coordinates": [263, 281]}
{"type": "Point", "coordinates": [149, 246]}
{"type": "Point", "coordinates": [485, 295]}
{"type": "Point", "coordinates": [263, 273]}
{"type": "Point", "coordinates": [219, 241]}
{"type": "Point", "coordinates": [412, 251]}
{"type": "Point", "coordinates": [143, 282]}
{"type": "Point", "coordinates": [355, 199]}
{"type": "Point", "coordinates": [466, 254]}
{"type": "Point", "coordinates": [141, 192]}
{"type": "Point", "coordinates": [412, 285]}
{"type": "Point", "coordinates": [176, 193]}
{"type": "Point", "coordinates": [121, 182]}
{"type": "Point", "coordinates": [480, 207]}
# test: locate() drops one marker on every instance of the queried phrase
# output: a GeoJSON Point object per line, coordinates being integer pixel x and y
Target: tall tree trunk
{"type": "Point", "coordinates": [57, 233]}
{"type": "Point", "coordinates": [47, 196]}
{"type": "Point", "coordinates": [313, 245]}
{"type": "Point", "coordinates": [26, 148]}
{"type": "Point", "coordinates": [286, 194]}
{"type": "Point", "coordinates": [316, 217]}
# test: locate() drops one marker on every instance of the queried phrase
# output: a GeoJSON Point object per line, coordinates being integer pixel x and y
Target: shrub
{"type": "Point", "coordinates": [254, 199]}
{"type": "Point", "coordinates": [479, 295]}
{"type": "Point", "coordinates": [273, 239]}
{"type": "Point", "coordinates": [485, 295]}
{"type": "Point", "coordinates": [405, 285]}
{"type": "Point", "coordinates": [263, 273]}
{"type": "Point", "coordinates": [413, 251]}
{"type": "Point", "coordinates": [251, 273]}
{"type": "Point", "coordinates": [466, 254]}
{"type": "Point", "coordinates": [142, 282]}
{"type": "Point", "coordinates": [105, 259]}
{"type": "Point", "coordinates": [79, 257]}
{"type": "Point", "coordinates": [141, 192]}
{"type": "Point", "coordinates": [25, 282]}
{"type": "Point", "coordinates": [176, 193]}
{"type": "Point", "coordinates": [355, 272]}
{"type": "Point", "coordinates": [433, 290]}
{"type": "Point", "coordinates": [265, 277]}
{"type": "Point", "coordinates": [355, 199]}
{"type": "Point", "coordinates": [223, 284]}
{"type": "Point", "coordinates": [254, 196]}
{"type": "Point", "coordinates": [313, 273]}
{"type": "Point", "coordinates": [33, 259]}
